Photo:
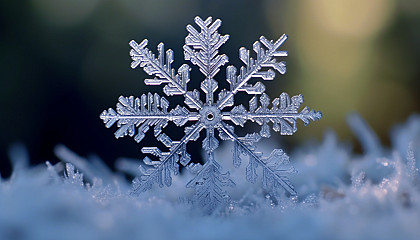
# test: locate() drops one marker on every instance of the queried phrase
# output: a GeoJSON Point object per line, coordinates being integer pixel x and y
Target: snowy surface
{"type": "Point", "coordinates": [341, 195]}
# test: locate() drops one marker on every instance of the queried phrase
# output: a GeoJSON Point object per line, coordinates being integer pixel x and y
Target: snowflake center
{"type": "Point", "coordinates": [210, 115]}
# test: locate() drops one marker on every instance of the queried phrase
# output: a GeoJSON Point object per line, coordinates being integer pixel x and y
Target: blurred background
{"type": "Point", "coordinates": [63, 62]}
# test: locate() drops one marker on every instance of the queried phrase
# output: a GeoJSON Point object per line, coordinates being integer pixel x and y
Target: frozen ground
{"type": "Point", "coordinates": [342, 195]}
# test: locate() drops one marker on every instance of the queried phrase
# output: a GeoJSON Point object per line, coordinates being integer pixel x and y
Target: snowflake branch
{"type": "Point", "coordinates": [208, 41]}
{"type": "Point", "coordinates": [149, 110]}
{"type": "Point", "coordinates": [177, 84]}
{"type": "Point", "coordinates": [253, 67]}
{"type": "Point", "coordinates": [160, 172]}
{"type": "Point", "coordinates": [269, 171]}
{"type": "Point", "coordinates": [283, 114]}
{"type": "Point", "coordinates": [208, 184]}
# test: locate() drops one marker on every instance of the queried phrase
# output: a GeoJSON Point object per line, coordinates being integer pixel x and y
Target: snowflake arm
{"type": "Point", "coordinates": [207, 42]}
{"type": "Point", "coordinates": [265, 58]}
{"type": "Point", "coordinates": [144, 112]}
{"type": "Point", "coordinates": [208, 184]}
{"type": "Point", "coordinates": [160, 171]}
{"type": "Point", "coordinates": [274, 176]}
{"type": "Point", "coordinates": [164, 74]}
{"type": "Point", "coordinates": [283, 114]}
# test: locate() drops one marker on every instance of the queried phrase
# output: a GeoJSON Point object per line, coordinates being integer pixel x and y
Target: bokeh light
{"type": "Point", "coordinates": [351, 59]}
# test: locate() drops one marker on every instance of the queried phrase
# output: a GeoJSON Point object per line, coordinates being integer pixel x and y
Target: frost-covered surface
{"type": "Point", "coordinates": [341, 195]}
{"type": "Point", "coordinates": [135, 116]}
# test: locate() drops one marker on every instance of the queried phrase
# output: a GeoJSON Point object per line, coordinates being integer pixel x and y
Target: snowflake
{"type": "Point", "coordinates": [151, 110]}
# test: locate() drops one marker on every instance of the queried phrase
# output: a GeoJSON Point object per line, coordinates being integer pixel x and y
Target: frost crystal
{"type": "Point", "coordinates": [151, 110]}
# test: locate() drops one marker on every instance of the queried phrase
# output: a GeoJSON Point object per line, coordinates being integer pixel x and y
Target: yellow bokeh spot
{"type": "Point", "coordinates": [355, 18]}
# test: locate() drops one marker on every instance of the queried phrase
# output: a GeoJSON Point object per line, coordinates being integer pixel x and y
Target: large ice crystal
{"type": "Point", "coordinates": [215, 113]}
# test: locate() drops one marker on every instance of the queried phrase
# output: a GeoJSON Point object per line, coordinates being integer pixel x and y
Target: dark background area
{"type": "Point", "coordinates": [63, 62]}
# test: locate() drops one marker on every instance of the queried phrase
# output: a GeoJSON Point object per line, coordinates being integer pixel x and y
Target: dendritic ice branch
{"type": "Point", "coordinates": [208, 185]}
{"type": "Point", "coordinates": [202, 49]}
